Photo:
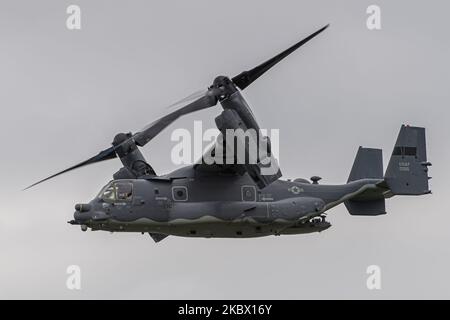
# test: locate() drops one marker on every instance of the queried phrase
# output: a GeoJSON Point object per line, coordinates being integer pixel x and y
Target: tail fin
{"type": "Point", "coordinates": [368, 164]}
{"type": "Point", "coordinates": [407, 171]}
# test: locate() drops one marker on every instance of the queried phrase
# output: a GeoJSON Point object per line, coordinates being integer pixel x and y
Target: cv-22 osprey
{"type": "Point", "coordinates": [241, 200]}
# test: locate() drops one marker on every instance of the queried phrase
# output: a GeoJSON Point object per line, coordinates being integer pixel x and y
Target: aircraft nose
{"type": "Point", "coordinates": [85, 213]}
{"type": "Point", "coordinates": [82, 212]}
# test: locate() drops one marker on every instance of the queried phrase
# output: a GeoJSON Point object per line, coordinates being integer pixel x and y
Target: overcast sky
{"type": "Point", "coordinates": [65, 94]}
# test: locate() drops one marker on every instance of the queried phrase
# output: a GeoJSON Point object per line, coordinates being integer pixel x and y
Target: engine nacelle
{"type": "Point", "coordinates": [134, 164]}
{"type": "Point", "coordinates": [246, 146]}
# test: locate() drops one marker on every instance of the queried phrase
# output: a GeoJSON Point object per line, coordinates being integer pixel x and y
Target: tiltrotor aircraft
{"type": "Point", "coordinates": [241, 200]}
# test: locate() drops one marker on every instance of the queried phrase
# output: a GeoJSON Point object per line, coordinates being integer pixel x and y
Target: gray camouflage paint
{"type": "Point", "coordinates": [220, 206]}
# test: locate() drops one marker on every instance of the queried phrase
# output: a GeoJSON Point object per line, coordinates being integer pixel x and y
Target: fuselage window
{"type": "Point", "coordinates": [179, 193]}
{"type": "Point", "coordinates": [248, 193]}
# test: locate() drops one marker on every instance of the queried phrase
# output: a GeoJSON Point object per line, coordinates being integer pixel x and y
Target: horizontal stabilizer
{"type": "Point", "coordinates": [366, 208]}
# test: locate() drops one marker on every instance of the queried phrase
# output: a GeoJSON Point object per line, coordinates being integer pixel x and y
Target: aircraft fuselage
{"type": "Point", "coordinates": [191, 204]}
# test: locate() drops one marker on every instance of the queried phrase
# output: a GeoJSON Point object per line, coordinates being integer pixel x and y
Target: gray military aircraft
{"type": "Point", "coordinates": [239, 199]}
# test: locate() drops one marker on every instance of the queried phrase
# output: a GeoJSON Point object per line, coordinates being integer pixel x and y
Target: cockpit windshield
{"type": "Point", "coordinates": [117, 191]}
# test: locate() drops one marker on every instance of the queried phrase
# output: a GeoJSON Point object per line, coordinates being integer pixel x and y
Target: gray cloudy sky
{"type": "Point", "coordinates": [64, 94]}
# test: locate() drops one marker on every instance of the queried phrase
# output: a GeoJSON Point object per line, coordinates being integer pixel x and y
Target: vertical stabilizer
{"type": "Point", "coordinates": [407, 172]}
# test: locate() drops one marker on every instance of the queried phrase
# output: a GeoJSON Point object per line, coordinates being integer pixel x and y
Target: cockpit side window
{"type": "Point", "coordinates": [117, 192]}
{"type": "Point", "coordinates": [109, 193]}
{"type": "Point", "coordinates": [124, 191]}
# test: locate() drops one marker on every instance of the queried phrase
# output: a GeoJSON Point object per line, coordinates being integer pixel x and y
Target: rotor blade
{"type": "Point", "coordinates": [190, 98]}
{"type": "Point", "coordinates": [208, 99]}
{"type": "Point", "coordinates": [104, 155]}
{"type": "Point", "coordinates": [244, 79]}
